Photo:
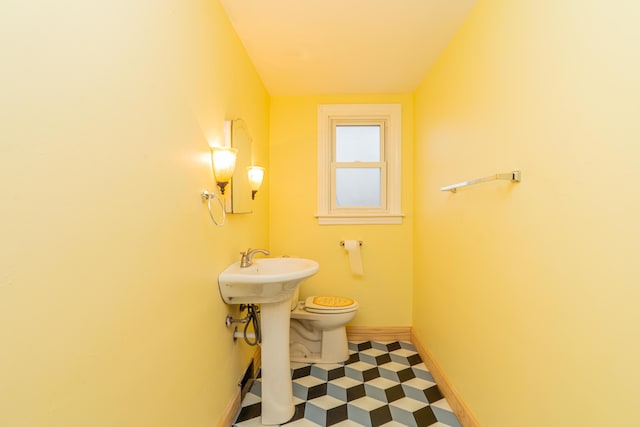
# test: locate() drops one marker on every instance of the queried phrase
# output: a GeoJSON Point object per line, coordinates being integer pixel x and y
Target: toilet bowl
{"type": "Point", "coordinates": [317, 332]}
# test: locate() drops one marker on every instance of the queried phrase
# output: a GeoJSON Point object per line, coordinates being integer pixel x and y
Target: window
{"type": "Point", "coordinates": [359, 162]}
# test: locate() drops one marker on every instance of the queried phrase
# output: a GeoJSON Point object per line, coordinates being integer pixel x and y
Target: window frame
{"type": "Point", "coordinates": [381, 165]}
{"type": "Point", "coordinates": [389, 116]}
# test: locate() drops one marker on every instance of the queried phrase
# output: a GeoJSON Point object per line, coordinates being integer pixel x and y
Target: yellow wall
{"type": "Point", "coordinates": [527, 294]}
{"type": "Point", "coordinates": [109, 309]}
{"type": "Point", "coordinates": [384, 292]}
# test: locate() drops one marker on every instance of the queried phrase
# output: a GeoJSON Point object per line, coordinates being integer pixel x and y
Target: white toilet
{"type": "Point", "coordinates": [317, 333]}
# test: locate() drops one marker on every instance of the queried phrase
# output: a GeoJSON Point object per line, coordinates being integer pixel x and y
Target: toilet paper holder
{"type": "Point", "coordinates": [342, 242]}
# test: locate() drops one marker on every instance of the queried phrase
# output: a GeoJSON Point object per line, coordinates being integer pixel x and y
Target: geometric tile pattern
{"type": "Point", "coordinates": [381, 384]}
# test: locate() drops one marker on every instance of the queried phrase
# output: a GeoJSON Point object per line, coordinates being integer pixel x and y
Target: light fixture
{"type": "Point", "coordinates": [223, 160]}
{"type": "Point", "coordinates": [256, 173]}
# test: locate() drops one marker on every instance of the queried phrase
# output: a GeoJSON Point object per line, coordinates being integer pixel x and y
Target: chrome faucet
{"type": "Point", "coordinates": [247, 257]}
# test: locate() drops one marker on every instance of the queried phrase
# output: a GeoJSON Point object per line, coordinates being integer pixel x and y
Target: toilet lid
{"type": "Point", "coordinates": [329, 304]}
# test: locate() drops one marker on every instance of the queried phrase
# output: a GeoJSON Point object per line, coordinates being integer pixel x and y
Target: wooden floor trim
{"type": "Point", "coordinates": [379, 333]}
{"type": "Point", "coordinates": [231, 411]}
{"type": "Point", "coordinates": [459, 407]}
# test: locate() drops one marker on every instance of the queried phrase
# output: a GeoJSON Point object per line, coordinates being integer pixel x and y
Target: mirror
{"type": "Point", "coordinates": [239, 199]}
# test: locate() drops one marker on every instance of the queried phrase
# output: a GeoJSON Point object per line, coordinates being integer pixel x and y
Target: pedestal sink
{"type": "Point", "coordinates": [270, 282]}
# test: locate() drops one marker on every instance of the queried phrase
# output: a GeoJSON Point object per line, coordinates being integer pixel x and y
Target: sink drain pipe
{"type": "Point", "coordinates": [251, 338]}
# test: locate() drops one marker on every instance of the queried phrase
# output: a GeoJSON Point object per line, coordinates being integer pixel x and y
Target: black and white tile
{"type": "Point", "coordinates": [382, 384]}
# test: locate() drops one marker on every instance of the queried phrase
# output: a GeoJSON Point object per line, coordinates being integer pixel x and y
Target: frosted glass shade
{"type": "Point", "coordinates": [224, 162]}
{"type": "Point", "coordinates": [256, 174]}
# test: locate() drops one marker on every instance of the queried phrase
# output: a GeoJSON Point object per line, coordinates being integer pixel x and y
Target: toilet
{"type": "Point", "coordinates": [317, 333]}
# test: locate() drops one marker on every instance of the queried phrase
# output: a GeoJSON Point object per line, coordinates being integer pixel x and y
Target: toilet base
{"type": "Point", "coordinates": [332, 347]}
{"type": "Point", "coordinates": [313, 358]}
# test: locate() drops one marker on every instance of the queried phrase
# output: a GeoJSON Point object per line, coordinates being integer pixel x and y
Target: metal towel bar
{"type": "Point", "coordinates": [513, 176]}
{"type": "Point", "coordinates": [342, 242]}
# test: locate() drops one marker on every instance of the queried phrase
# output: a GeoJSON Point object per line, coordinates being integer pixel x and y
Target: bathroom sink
{"type": "Point", "coordinates": [270, 282]}
{"type": "Point", "coordinates": [267, 280]}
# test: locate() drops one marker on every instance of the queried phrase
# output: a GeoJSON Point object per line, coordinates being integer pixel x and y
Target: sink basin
{"type": "Point", "coordinates": [268, 280]}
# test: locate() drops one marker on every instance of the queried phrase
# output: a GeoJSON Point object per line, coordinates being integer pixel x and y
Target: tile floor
{"type": "Point", "coordinates": [382, 384]}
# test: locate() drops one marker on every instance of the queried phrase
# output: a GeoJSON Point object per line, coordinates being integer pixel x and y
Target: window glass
{"type": "Point", "coordinates": [357, 143]}
{"type": "Point", "coordinates": [358, 187]}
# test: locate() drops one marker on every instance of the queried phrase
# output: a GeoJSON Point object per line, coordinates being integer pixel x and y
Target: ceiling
{"type": "Point", "coordinates": [311, 47]}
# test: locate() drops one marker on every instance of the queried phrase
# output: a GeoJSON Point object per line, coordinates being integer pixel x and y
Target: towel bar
{"type": "Point", "coordinates": [514, 176]}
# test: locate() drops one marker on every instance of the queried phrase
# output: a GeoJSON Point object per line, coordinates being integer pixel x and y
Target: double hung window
{"type": "Point", "coordinates": [359, 164]}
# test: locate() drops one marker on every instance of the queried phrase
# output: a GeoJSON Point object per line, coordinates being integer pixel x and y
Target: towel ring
{"type": "Point", "coordinates": [208, 196]}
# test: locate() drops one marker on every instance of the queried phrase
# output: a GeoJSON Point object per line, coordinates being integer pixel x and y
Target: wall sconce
{"type": "Point", "coordinates": [223, 160]}
{"type": "Point", "coordinates": [256, 174]}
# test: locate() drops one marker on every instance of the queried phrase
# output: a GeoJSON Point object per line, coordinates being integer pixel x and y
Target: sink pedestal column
{"type": "Point", "coordinates": [277, 395]}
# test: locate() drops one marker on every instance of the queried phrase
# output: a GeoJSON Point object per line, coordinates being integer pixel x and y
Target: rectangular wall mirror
{"type": "Point", "coordinates": [239, 198]}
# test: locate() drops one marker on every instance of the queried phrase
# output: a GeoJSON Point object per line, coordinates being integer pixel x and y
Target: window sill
{"type": "Point", "coordinates": [359, 219]}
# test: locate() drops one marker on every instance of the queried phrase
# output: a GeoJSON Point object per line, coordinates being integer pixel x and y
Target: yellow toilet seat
{"type": "Point", "coordinates": [329, 304]}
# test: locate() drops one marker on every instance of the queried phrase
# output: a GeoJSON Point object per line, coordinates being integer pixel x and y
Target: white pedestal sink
{"type": "Point", "coordinates": [270, 282]}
